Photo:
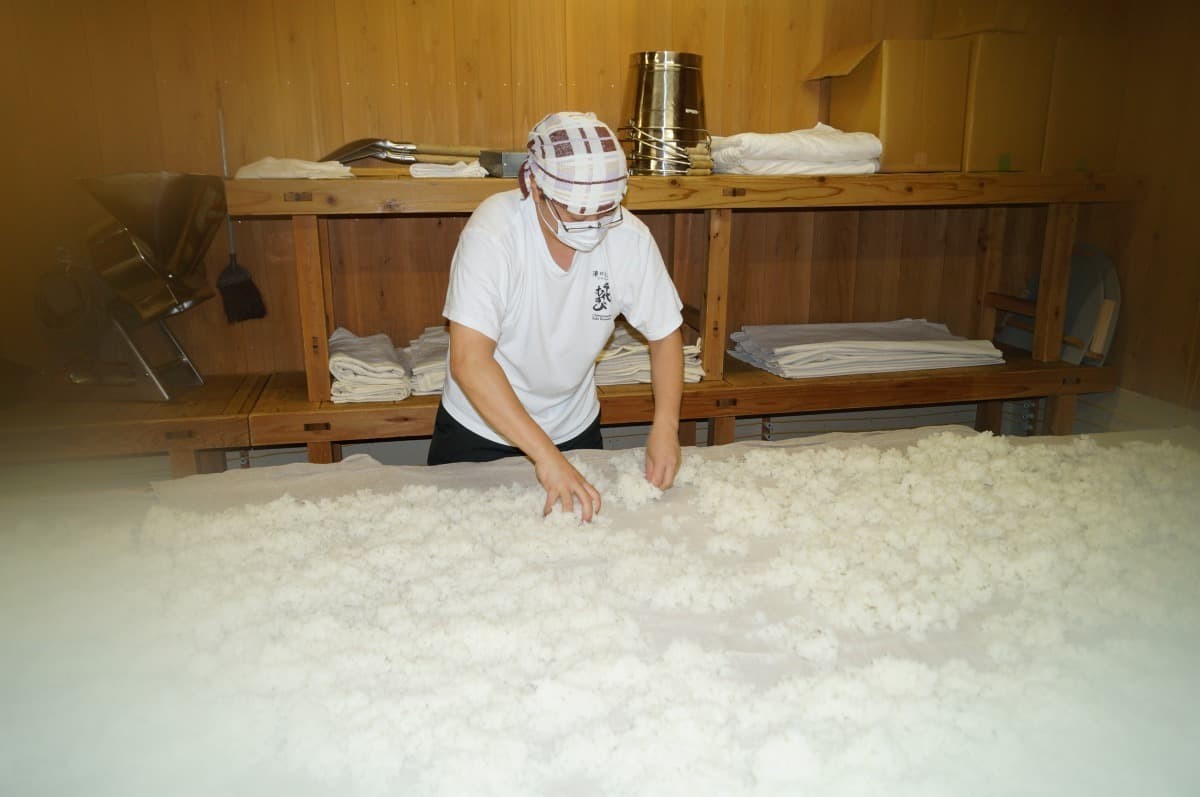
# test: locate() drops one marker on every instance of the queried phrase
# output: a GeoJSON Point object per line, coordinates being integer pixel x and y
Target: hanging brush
{"type": "Point", "coordinates": [239, 294]}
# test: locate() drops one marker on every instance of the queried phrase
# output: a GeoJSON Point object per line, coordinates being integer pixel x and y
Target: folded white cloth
{"type": "Point", "coordinates": [357, 392]}
{"type": "Point", "coordinates": [801, 350]}
{"type": "Point", "coordinates": [819, 144]}
{"type": "Point", "coordinates": [625, 359]}
{"type": "Point", "coordinates": [460, 169]}
{"type": "Point", "coordinates": [366, 369]}
{"type": "Point", "coordinates": [425, 358]}
{"type": "Point", "coordinates": [284, 168]}
{"type": "Point", "coordinates": [372, 358]}
{"type": "Point", "coordinates": [754, 166]}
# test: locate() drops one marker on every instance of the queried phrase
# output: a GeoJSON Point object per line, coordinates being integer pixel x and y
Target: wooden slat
{"type": "Point", "coordinates": [1052, 286]}
{"type": "Point", "coordinates": [306, 40]}
{"type": "Point", "coordinates": [989, 262]}
{"type": "Point", "coordinates": [716, 292]}
{"type": "Point", "coordinates": [834, 252]}
{"type": "Point", "coordinates": [1012, 304]}
{"type": "Point", "coordinates": [310, 281]}
{"type": "Point", "coordinates": [771, 266]}
{"type": "Point", "coordinates": [958, 308]}
{"type": "Point", "coordinates": [285, 415]}
{"type": "Point", "coordinates": [539, 36]}
{"type": "Point", "coordinates": [596, 59]}
{"type": "Point", "coordinates": [483, 69]}
{"type": "Point", "coordinates": [186, 87]}
{"type": "Point", "coordinates": [748, 45]}
{"type": "Point", "coordinates": [428, 79]}
{"type": "Point", "coordinates": [121, 77]}
{"type": "Point", "coordinates": [369, 70]}
{"type": "Point", "coordinates": [248, 70]}
{"type": "Point", "coordinates": [462, 195]}
{"type": "Point", "coordinates": [877, 284]}
{"type": "Point", "coordinates": [796, 29]}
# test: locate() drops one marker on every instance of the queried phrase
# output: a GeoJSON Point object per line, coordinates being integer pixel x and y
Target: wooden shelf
{"type": "Point", "coordinates": [391, 196]}
{"type": "Point", "coordinates": [295, 408]}
{"type": "Point", "coordinates": [211, 417]}
{"type": "Point", "coordinates": [244, 411]}
{"type": "Point", "coordinates": [283, 413]}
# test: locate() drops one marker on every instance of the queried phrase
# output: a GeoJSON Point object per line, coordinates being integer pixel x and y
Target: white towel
{"type": "Point", "coordinates": [625, 359]}
{"type": "Point", "coordinates": [820, 144]}
{"type": "Point", "coordinates": [801, 350]}
{"type": "Point", "coordinates": [366, 369]}
{"type": "Point", "coordinates": [425, 357]}
{"type": "Point", "coordinates": [357, 392]}
{"type": "Point", "coordinates": [754, 166]}
{"type": "Point", "coordinates": [460, 169]}
{"type": "Point", "coordinates": [368, 359]}
{"type": "Point", "coordinates": [284, 168]}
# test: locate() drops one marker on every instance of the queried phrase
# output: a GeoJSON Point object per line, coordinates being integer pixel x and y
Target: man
{"type": "Point", "coordinates": [538, 278]}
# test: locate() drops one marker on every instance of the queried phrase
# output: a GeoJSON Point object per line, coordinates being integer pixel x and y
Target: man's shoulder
{"type": "Point", "coordinates": [632, 232]}
{"type": "Point", "coordinates": [496, 213]}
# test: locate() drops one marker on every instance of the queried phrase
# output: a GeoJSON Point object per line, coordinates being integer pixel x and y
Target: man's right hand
{"type": "Point", "coordinates": [565, 485]}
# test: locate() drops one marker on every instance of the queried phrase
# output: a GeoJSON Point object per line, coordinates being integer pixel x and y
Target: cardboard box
{"type": "Point", "coordinates": [1085, 92]}
{"type": "Point", "coordinates": [911, 93]}
{"type": "Point", "coordinates": [1007, 95]}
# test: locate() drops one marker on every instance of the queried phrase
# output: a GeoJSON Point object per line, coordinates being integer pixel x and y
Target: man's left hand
{"type": "Point", "coordinates": [662, 457]}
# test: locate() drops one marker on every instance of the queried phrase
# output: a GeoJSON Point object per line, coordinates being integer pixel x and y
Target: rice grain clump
{"type": "Point", "coordinates": [965, 615]}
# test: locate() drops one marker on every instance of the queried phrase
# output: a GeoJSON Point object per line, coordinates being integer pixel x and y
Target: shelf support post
{"type": "Point", "coordinates": [1052, 285]}
{"type": "Point", "coordinates": [312, 270]}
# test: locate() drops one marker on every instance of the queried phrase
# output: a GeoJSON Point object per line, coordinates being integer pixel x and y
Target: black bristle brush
{"type": "Point", "coordinates": [239, 294]}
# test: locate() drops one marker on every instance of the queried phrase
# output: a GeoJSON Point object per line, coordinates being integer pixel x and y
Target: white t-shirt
{"type": "Point", "coordinates": [549, 325]}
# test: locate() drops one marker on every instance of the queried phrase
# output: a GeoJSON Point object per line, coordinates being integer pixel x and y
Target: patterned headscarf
{"type": "Point", "coordinates": [577, 161]}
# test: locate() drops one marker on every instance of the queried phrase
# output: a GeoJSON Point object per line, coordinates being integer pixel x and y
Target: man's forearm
{"type": "Point", "coordinates": [666, 379]}
{"type": "Point", "coordinates": [484, 382]}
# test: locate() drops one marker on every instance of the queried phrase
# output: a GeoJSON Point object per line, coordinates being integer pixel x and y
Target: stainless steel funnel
{"type": "Point", "coordinates": [165, 222]}
{"type": "Point", "coordinates": [663, 113]}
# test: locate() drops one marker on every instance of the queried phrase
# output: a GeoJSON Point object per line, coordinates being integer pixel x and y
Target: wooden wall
{"type": "Point", "coordinates": [129, 85]}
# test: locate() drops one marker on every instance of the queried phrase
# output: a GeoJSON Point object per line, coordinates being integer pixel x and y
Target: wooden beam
{"type": "Point", "coordinates": [989, 264]}
{"type": "Point", "coordinates": [1053, 282]}
{"type": "Point", "coordinates": [722, 431]}
{"type": "Point", "coordinates": [1013, 304]}
{"type": "Point", "coordinates": [1060, 414]}
{"type": "Point", "coordinates": [989, 416]}
{"type": "Point", "coordinates": [324, 453]}
{"type": "Point", "coordinates": [446, 195]}
{"type": "Point", "coordinates": [310, 291]}
{"type": "Point", "coordinates": [687, 433]}
{"type": "Point", "coordinates": [716, 294]}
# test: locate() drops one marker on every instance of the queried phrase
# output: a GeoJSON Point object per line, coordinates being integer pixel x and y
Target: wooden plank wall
{"type": "Point", "coordinates": [1157, 345]}
{"type": "Point", "coordinates": [136, 85]}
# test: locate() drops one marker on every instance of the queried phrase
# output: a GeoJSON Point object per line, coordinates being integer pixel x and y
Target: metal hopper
{"type": "Point", "coordinates": [152, 257]}
{"type": "Point", "coordinates": [151, 254]}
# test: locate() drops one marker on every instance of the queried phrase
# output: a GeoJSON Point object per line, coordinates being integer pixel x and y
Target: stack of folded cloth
{"type": "Point", "coordinates": [365, 369]}
{"type": "Point", "coordinates": [625, 360]}
{"type": "Point", "coordinates": [821, 150]}
{"type": "Point", "coordinates": [425, 358]}
{"type": "Point", "coordinates": [800, 350]}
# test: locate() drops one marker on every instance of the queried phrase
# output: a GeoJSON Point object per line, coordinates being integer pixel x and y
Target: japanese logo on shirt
{"type": "Point", "coordinates": [601, 296]}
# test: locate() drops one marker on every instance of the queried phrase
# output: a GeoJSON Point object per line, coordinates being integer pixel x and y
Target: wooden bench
{"type": "Point", "coordinates": [194, 429]}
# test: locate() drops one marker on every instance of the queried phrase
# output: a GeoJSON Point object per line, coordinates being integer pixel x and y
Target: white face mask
{"type": "Point", "coordinates": [583, 240]}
